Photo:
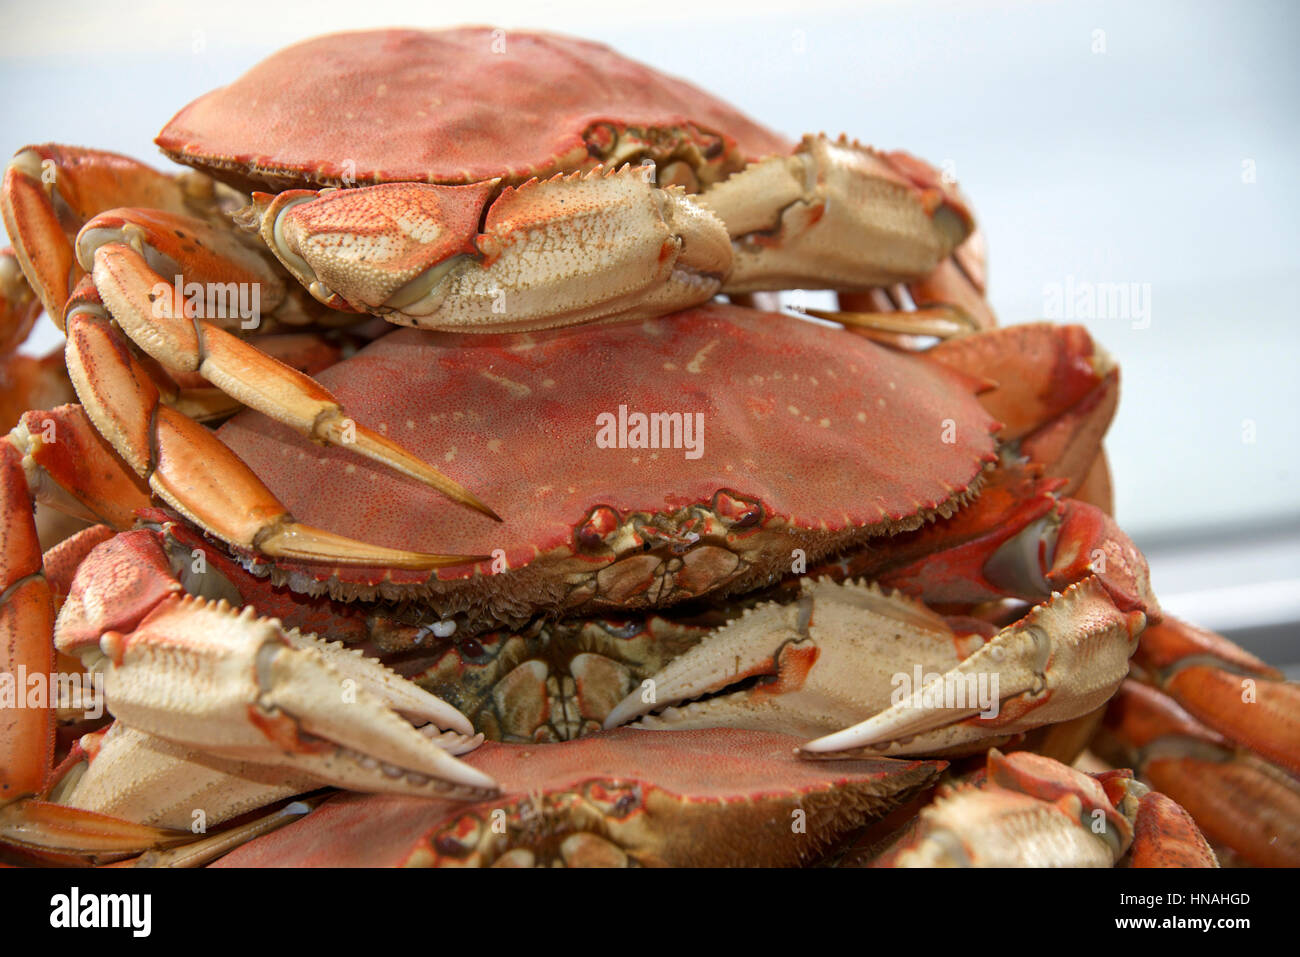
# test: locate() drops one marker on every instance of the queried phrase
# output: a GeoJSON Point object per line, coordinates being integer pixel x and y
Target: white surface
{"type": "Point", "coordinates": [1122, 166]}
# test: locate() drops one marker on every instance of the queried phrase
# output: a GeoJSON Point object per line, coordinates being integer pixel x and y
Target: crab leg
{"type": "Point", "coordinates": [946, 303]}
{"type": "Point", "coordinates": [121, 246]}
{"type": "Point", "coordinates": [27, 733]}
{"type": "Point", "coordinates": [190, 469]}
{"type": "Point", "coordinates": [150, 313]}
{"type": "Point", "coordinates": [1062, 660]}
{"type": "Point", "coordinates": [1226, 687]}
{"type": "Point", "coordinates": [28, 382]}
{"type": "Point", "coordinates": [1241, 801]}
{"type": "Point", "coordinates": [19, 306]}
{"type": "Point", "coordinates": [181, 249]}
{"type": "Point", "coordinates": [26, 622]}
{"type": "Point", "coordinates": [837, 215]}
{"type": "Point", "coordinates": [49, 191]}
{"type": "Point", "coordinates": [599, 245]}
{"type": "Point", "coordinates": [295, 715]}
{"type": "Point", "coordinates": [1164, 834]}
{"type": "Point", "coordinates": [1055, 391]}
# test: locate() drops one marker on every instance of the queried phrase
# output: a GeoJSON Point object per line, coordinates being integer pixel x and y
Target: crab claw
{"type": "Point", "coordinates": [843, 652]}
{"type": "Point", "coordinates": [805, 668]}
{"type": "Point", "coordinates": [483, 258]}
{"type": "Point", "coordinates": [202, 675]}
{"type": "Point", "coordinates": [1024, 810]}
{"type": "Point", "coordinates": [1062, 660]}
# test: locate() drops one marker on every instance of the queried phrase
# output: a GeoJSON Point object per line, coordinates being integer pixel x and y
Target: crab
{"type": "Point", "coordinates": [135, 610]}
{"type": "Point", "coordinates": [645, 566]}
{"type": "Point", "coordinates": [538, 219]}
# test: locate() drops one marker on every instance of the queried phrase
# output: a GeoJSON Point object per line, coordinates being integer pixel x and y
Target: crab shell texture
{"type": "Point", "coordinates": [686, 798]}
{"type": "Point", "coordinates": [452, 107]}
{"type": "Point", "coordinates": [812, 440]}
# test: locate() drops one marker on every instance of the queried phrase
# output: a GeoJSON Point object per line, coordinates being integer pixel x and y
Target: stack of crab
{"type": "Point", "coordinates": [752, 588]}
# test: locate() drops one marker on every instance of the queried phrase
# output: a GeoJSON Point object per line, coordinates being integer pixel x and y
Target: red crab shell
{"type": "Point", "coordinates": [443, 107]}
{"type": "Point", "coordinates": [719, 797]}
{"type": "Point", "coordinates": [812, 440]}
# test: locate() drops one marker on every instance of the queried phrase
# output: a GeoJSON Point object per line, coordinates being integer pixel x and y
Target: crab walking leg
{"type": "Point", "coordinates": [19, 306]}
{"type": "Point", "coordinates": [50, 190]}
{"type": "Point", "coordinates": [189, 393]}
{"type": "Point", "coordinates": [1055, 391]}
{"type": "Point", "coordinates": [837, 215]}
{"type": "Point", "coordinates": [946, 303]}
{"type": "Point", "coordinates": [26, 622]}
{"type": "Point", "coordinates": [190, 469]}
{"type": "Point", "coordinates": [26, 382]}
{"type": "Point", "coordinates": [70, 467]}
{"type": "Point", "coordinates": [571, 249]}
{"type": "Point", "coordinates": [1241, 801]}
{"type": "Point", "coordinates": [1226, 687]}
{"type": "Point", "coordinates": [181, 250]}
{"type": "Point", "coordinates": [154, 318]}
{"type": "Point", "coordinates": [1164, 834]}
{"type": "Point", "coordinates": [228, 277]}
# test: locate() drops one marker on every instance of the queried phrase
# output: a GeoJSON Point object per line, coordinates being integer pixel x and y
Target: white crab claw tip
{"type": "Point", "coordinates": [629, 709]}
{"type": "Point", "coordinates": [858, 736]}
{"type": "Point", "coordinates": [458, 772]}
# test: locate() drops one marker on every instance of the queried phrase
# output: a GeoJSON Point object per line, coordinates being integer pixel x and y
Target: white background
{"type": "Point", "coordinates": [1117, 166]}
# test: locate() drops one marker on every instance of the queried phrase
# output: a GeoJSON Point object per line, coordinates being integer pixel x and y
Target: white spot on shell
{"type": "Point", "coordinates": [517, 389]}
{"type": "Point", "coordinates": [696, 364]}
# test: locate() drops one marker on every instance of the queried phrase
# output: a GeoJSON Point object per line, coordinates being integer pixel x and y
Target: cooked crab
{"type": "Point", "coordinates": [689, 500]}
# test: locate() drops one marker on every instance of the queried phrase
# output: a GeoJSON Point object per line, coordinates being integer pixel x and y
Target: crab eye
{"type": "Point", "coordinates": [471, 648]}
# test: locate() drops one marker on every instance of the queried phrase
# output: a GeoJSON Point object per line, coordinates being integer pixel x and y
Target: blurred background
{"type": "Point", "coordinates": [1145, 148]}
